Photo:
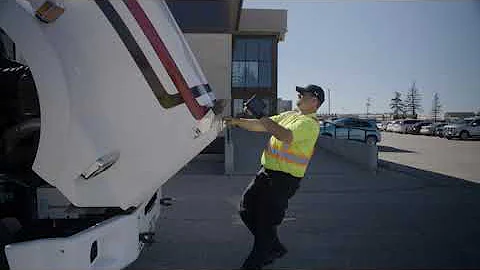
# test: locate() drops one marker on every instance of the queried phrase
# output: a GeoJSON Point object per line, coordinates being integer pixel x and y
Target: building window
{"type": "Point", "coordinates": [252, 62]}
{"type": "Point", "coordinates": [237, 107]}
{"type": "Point", "coordinates": [269, 107]}
{"type": "Point", "coordinates": [284, 105]}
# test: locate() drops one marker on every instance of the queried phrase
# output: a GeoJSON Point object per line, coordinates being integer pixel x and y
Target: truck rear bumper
{"type": "Point", "coordinates": [111, 244]}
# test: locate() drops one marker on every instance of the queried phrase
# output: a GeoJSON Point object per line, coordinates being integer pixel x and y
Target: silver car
{"type": "Point", "coordinates": [430, 129]}
{"type": "Point", "coordinates": [463, 129]}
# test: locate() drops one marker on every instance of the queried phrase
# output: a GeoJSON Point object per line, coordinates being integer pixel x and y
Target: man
{"type": "Point", "coordinates": [284, 162]}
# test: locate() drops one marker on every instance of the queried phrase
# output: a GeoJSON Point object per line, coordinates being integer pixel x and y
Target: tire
{"type": "Point", "coordinates": [19, 145]}
{"type": "Point", "coordinates": [371, 140]}
{"type": "Point", "coordinates": [448, 137]}
{"type": "Point", "coordinates": [464, 135]}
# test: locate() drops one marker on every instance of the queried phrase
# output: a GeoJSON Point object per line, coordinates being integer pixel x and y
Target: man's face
{"type": "Point", "coordinates": [306, 101]}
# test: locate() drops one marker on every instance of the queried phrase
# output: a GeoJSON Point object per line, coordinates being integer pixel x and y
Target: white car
{"type": "Point", "coordinates": [380, 125]}
{"type": "Point", "coordinates": [430, 129]}
{"type": "Point", "coordinates": [401, 126]}
{"type": "Point", "coordinates": [389, 126]}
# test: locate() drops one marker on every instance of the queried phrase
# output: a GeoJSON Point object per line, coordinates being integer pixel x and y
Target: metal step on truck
{"type": "Point", "coordinates": [101, 102]}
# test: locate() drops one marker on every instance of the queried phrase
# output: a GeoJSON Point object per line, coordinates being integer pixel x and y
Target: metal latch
{"type": "Point", "coordinates": [101, 165]}
{"type": "Point", "coordinates": [147, 238]}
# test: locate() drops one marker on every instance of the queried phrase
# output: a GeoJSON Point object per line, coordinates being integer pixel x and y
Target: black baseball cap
{"type": "Point", "coordinates": [316, 90]}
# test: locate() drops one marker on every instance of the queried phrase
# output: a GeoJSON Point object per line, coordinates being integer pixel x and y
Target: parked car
{"type": "Point", "coordinates": [401, 126]}
{"type": "Point", "coordinates": [352, 129]}
{"type": "Point", "coordinates": [379, 125]}
{"type": "Point", "coordinates": [415, 128]}
{"type": "Point", "coordinates": [439, 130]}
{"type": "Point", "coordinates": [463, 129]}
{"type": "Point", "coordinates": [382, 125]}
{"type": "Point", "coordinates": [390, 124]}
{"type": "Point", "coordinates": [431, 129]}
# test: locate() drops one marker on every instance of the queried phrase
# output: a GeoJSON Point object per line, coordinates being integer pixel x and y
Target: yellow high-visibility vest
{"type": "Point", "coordinates": [292, 158]}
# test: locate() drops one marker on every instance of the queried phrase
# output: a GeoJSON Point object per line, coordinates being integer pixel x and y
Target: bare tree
{"type": "Point", "coordinates": [413, 103]}
{"type": "Point", "coordinates": [436, 107]}
{"type": "Point", "coordinates": [397, 106]}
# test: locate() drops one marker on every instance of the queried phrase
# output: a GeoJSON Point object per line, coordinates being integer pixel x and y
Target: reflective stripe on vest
{"type": "Point", "coordinates": [287, 156]}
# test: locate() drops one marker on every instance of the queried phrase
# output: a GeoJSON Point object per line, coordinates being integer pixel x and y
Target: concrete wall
{"type": "Point", "coordinates": [243, 150]}
{"type": "Point", "coordinates": [356, 152]}
{"type": "Point", "coordinates": [214, 54]}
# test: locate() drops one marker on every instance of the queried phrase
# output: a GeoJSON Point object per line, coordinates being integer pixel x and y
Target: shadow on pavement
{"type": "Point", "coordinates": [469, 139]}
{"type": "Point", "coordinates": [438, 178]}
{"type": "Point", "coordinates": [383, 148]}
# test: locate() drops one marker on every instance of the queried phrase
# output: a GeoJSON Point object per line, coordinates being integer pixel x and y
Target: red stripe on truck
{"type": "Point", "coordinates": [165, 57]}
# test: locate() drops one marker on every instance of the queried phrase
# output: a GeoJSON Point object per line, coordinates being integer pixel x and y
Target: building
{"type": "Point", "coordinates": [284, 105]}
{"type": "Point", "coordinates": [236, 48]}
{"type": "Point", "coordinates": [457, 115]}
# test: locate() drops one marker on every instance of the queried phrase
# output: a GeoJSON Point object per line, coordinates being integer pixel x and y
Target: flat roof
{"type": "Point", "coordinates": [264, 21]}
{"type": "Point", "coordinates": [227, 16]}
{"type": "Point", "coordinates": [206, 16]}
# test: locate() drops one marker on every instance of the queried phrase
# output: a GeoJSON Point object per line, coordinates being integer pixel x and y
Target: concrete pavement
{"type": "Point", "coordinates": [454, 158]}
{"type": "Point", "coordinates": [342, 217]}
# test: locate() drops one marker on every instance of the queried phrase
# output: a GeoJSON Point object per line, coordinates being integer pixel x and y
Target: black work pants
{"type": "Point", "coordinates": [262, 209]}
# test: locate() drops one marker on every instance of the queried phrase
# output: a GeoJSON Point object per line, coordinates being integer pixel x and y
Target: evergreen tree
{"type": "Point", "coordinates": [397, 106]}
{"type": "Point", "coordinates": [413, 103]}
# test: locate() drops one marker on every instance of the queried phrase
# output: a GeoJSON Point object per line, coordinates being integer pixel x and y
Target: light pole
{"type": "Point", "coordinates": [329, 104]}
{"type": "Point", "coordinates": [368, 105]}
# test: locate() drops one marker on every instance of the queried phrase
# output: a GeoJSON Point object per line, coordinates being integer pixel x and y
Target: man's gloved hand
{"type": "Point", "coordinates": [255, 107]}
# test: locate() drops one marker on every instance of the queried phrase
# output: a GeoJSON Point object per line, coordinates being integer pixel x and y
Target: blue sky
{"type": "Point", "coordinates": [362, 49]}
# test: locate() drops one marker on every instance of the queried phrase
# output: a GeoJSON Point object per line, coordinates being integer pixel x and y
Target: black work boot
{"type": "Point", "coordinates": [252, 263]}
{"type": "Point", "coordinates": [277, 252]}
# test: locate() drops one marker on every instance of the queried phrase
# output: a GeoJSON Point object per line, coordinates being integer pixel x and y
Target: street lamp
{"type": "Point", "coordinates": [329, 101]}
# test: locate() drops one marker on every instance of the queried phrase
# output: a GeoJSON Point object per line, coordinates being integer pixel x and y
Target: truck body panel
{"type": "Point", "coordinates": [113, 78]}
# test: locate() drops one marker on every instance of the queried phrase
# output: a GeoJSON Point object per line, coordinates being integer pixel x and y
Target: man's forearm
{"type": "Point", "coordinates": [249, 124]}
{"type": "Point", "coordinates": [264, 124]}
{"type": "Point", "coordinates": [279, 132]}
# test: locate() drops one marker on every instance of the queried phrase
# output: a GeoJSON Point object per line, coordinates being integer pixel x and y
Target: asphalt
{"type": "Point", "coordinates": [343, 217]}
{"type": "Point", "coordinates": [452, 158]}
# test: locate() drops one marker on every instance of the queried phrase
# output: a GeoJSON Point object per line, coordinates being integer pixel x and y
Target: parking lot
{"type": "Point", "coordinates": [343, 217]}
{"type": "Point", "coordinates": [455, 158]}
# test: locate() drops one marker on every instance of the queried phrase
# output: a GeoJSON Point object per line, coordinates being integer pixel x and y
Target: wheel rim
{"type": "Point", "coordinates": [464, 135]}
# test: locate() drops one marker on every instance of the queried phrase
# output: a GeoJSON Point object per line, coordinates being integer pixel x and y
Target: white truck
{"type": "Point", "coordinates": [101, 103]}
